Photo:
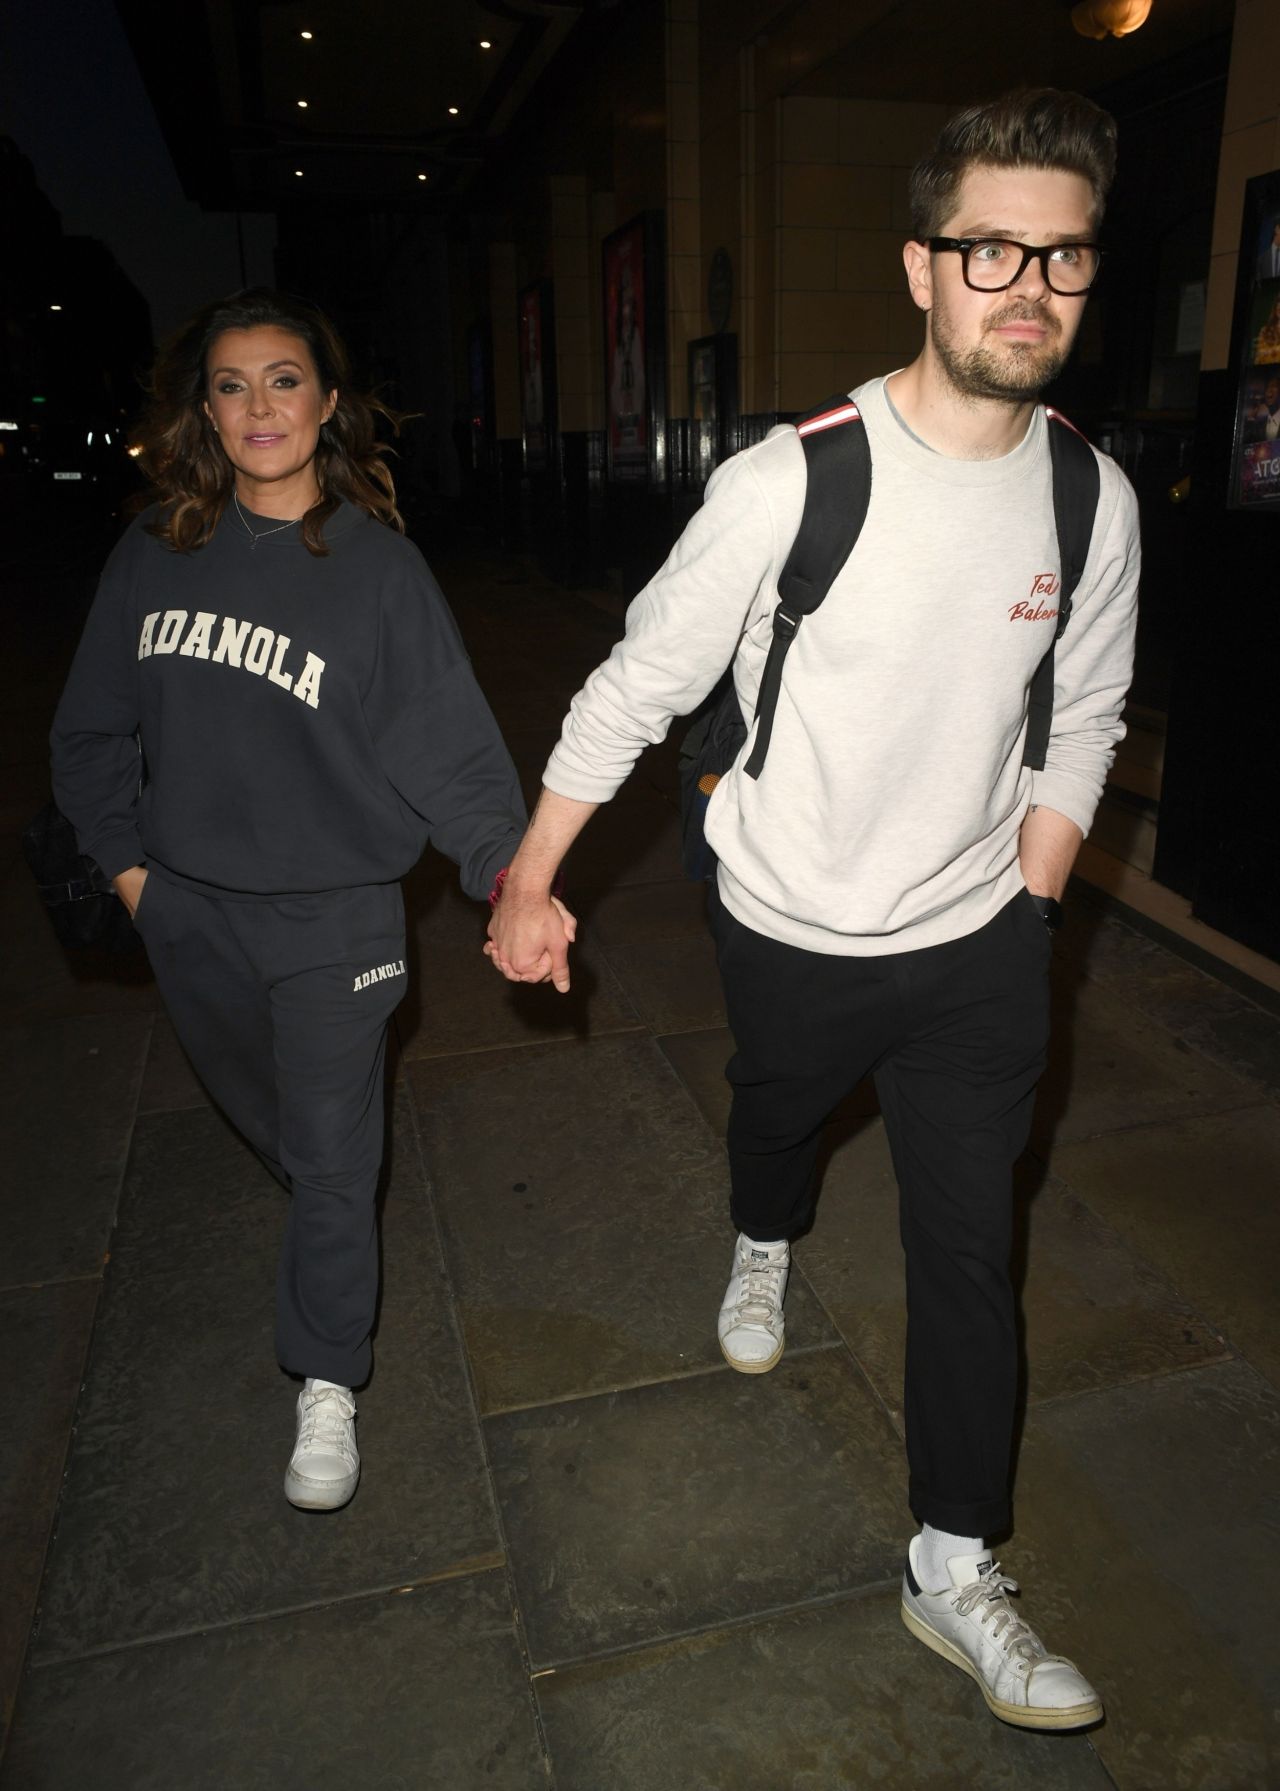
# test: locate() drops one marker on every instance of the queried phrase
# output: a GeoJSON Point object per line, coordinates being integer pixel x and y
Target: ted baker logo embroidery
{"type": "Point", "coordinates": [1044, 584]}
{"type": "Point", "coordinates": [381, 973]}
{"type": "Point", "coordinates": [249, 649]}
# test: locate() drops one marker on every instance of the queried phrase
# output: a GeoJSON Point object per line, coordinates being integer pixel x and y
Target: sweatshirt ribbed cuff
{"type": "Point", "coordinates": [118, 852]}
{"type": "Point", "coordinates": [1066, 796]}
{"type": "Point", "coordinates": [563, 780]}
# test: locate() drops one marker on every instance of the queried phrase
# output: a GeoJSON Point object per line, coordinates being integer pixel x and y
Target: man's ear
{"type": "Point", "coordinates": [919, 265]}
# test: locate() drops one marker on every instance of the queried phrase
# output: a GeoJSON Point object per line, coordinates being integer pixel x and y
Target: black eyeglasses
{"type": "Point", "coordinates": [991, 264]}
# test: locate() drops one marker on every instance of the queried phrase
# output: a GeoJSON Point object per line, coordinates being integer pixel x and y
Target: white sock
{"type": "Point", "coordinates": [936, 1548]}
{"type": "Point", "coordinates": [779, 1244]}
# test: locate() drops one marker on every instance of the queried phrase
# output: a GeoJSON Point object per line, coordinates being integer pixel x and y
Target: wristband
{"type": "Point", "coordinates": [557, 887]}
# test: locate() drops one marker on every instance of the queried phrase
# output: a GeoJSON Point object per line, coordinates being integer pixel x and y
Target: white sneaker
{"type": "Point", "coordinates": [751, 1323]}
{"type": "Point", "coordinates": [325, 1465]}
{"type": "Point", "coordinates": [973, 1625]}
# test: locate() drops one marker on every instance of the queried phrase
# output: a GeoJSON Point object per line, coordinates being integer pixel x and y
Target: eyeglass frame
{"type": "Point", "coordinates": [965, 245]}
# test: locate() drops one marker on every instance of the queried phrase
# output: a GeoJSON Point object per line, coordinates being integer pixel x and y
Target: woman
{"type": "Point", "coordinates": [269, 715]}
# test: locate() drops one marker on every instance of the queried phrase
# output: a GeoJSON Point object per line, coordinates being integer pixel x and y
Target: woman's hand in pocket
{"type": "Point", "coordinates": [128, 886]}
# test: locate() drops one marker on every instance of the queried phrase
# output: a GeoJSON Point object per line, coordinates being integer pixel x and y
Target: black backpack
{"type": "Point", "coordinates": [837, 493]}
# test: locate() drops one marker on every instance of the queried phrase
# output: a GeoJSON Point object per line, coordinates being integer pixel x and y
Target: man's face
{"type": "Point", "coordinates": [1004, 345]}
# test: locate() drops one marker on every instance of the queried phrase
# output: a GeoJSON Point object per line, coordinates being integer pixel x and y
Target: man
{"type": "Point", "coordinates": [885, 887]}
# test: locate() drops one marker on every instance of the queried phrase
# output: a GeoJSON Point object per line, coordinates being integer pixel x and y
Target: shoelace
{"type": "Point", "coordinates": [326, 1417]}
{"type": "Point", "coordinates": [1008, 1630]}
{"type": "Point", "coordinates": [761, 1291]}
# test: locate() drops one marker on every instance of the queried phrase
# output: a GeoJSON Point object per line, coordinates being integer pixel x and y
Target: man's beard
{"type": "Point", "coordinates": [1014, 372]}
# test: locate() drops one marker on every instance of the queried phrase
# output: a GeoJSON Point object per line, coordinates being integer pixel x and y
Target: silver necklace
{"type": "Point", "coordinates": [262, 533]}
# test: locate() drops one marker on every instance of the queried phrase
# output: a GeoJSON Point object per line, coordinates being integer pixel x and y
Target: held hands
{"type": "Point", "coordinates": [529, 939]}
{"type": "Point", "coordinates": [128, 886]}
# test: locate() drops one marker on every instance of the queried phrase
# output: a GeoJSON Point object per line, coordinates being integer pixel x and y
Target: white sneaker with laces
{"type": "Point", "coordinates": [972, 1624]}
{"type": "Point", "coordinates": [751, 1323]}
{"type": "Point", "coordinates": [325, 1465]}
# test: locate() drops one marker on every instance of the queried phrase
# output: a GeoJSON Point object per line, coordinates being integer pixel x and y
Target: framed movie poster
{"type": "Point", "coordinates": [537, 375]}
{"type": "Point", "coordinates": [634, 291]}
{"type": "Point", "coordinates": [1255, 459]}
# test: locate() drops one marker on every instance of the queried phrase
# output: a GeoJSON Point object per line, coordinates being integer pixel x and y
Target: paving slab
{"type": "Point", "coordinates": [67, 1104]}
{"type": "Point", "coordinates": [1197, 1197]}
{"type": "Point", "coordinates": [425, 1688]}
{"type": "Point", "coordinates": [651, 913]}
{"type": "Point", "coordinates": [670, 1508]}
{"type": "Point", "coordinates": [1189, 1003]}
{"type": "Point", "coordinates": [625, 842]}
{"type": "Point", "coordinates": [173, 1517]}
{"type": "Point", "coordinates": [457, 1002]}
{"type": "Point", "coordinates": [44, 1337]}
{"type": "Point", "coordinates": [1094, 1311]}
{"type": "Point", "coordinates": [673, 984]}
{"type": "Point", "coordinates": [1147, 1519]}
{"type": "Point", "coordinates": [585, 1206]}
{"type": "Point", "coordinates": [834, 1698]}
{"type": "Point", "coordinates": [1110, 1067]}
{"type": "Point", "coordinates": [169, 1083]}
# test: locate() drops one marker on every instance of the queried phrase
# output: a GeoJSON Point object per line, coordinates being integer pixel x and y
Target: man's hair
{"type": "Point", "coordinates": [1033, 127]}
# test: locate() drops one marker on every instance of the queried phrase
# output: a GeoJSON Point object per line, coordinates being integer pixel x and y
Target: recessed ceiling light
{"type": "Point", "coordinates": [55, 307]}
{"type": "Point", "coordinates": [422, 177]}
{"type": "Point", "coordinates": [303, 104]}
{"type": "Point", "coordinates": [485, 44]}
{"type": "Point", "coordinates": [306, 34]}
{"type": "Point", "coordinates": [453, 111]}
{"type": "Point", "coordinates": [298, 173]}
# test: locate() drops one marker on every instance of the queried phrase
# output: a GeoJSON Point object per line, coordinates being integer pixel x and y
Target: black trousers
{"type": "Point", "coordinates": [955, 1036]}
{"type": "Point", "coordinates": [282, 1007]}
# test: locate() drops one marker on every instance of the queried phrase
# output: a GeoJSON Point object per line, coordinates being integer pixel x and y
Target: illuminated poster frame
{"type": "Point", "coordinates": [1255, 352]}
{"type": "Point", "coordinates": [633, 288]}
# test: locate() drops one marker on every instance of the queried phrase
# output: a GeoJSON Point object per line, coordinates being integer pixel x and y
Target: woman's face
{"type": "Point", "coordinates": [265, 400]}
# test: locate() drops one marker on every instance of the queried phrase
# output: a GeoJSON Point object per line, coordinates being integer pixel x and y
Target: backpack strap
{"type": "Point", "coordinates": [836, 494]}
{"type": "Point", "coordinates": [1076, 484]}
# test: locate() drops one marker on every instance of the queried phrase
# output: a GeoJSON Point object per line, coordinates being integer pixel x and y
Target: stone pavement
{"type": "Point", "coordinates": [584, 1553]}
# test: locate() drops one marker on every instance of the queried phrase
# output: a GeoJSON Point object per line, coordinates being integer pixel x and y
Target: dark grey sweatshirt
{"type": "Point", "coordinates": [306, 723]}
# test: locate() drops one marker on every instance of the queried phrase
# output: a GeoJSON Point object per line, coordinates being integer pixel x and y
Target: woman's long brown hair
{"type": "Point", "coordinates": [191, 477]}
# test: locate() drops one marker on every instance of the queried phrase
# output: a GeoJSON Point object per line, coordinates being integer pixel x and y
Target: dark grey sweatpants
{"type": "Point", "coordinates": [282, 1007]}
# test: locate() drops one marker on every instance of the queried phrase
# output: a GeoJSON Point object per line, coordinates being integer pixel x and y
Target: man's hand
{"type": "Point", "coordinates": [128, 886]}
{"type": "Point", "coordinates": [529, 939]}
{"type": "Point", "coordinates": [531, 930]}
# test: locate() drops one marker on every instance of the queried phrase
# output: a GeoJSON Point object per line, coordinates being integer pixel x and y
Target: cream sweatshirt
{"type": "Point", "coordinates": [886, 817]}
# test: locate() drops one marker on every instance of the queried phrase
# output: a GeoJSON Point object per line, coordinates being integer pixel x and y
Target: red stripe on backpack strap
{"type": "Point", "coordinates": [844, 413]}
{"type": "Point", "coordinates": [1057, 417]}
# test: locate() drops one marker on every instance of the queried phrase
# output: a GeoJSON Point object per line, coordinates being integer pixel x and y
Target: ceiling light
{"type": "Point", "coordinates": [303, 104]}
{"type": "Point", "coordinates": [1109, 18]}
{"type": "Point", "coordinates": [55, 307]}
{"type": "Point", "coordinates": [298, 173]}
{"type": "Point", "coordinates": [453, 111]}
{"type": "Point", "coordinates": [422, 177]}
{"type": "Point", "coordinates": [306, 34]}
{"type": "Point", "coordinates": [485, 44]}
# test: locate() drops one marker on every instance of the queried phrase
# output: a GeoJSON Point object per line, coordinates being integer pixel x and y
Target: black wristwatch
{"type": "Point", "coordinates": [1049, 911]}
